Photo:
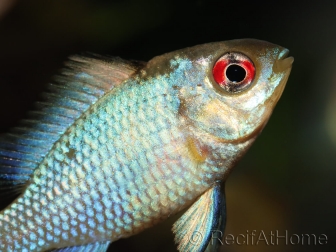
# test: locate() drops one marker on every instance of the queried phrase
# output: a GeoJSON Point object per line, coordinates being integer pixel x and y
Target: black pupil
{"type": "Point", "coordinates": [235, 73]}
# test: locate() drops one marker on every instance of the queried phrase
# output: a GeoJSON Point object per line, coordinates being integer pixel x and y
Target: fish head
{"type": "Point", "coordinates": [230, 88]}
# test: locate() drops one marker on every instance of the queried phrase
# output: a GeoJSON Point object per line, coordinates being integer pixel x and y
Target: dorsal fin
{"type": "Point", "coordinates": [81, 83]}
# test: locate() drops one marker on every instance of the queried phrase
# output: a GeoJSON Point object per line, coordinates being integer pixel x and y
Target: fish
{"type": "Point", "coordinates": [117, 146]}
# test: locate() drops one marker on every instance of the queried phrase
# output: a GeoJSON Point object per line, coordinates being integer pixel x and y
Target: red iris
{"type": "Point", "coordinates": [234, 72]}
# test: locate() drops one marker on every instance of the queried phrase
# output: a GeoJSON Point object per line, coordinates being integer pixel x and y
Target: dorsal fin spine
{"type": "Point", "coordinates": [54, 119]}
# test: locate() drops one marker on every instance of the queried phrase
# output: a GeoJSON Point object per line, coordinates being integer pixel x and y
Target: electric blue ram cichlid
{"type": "Point", "coordinates": [118, 146]}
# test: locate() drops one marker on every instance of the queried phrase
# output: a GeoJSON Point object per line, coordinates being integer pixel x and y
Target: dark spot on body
{"type": "Point", "coordinates": [71, 153]}
{"type": "Point", "coordinates": [182, 108]}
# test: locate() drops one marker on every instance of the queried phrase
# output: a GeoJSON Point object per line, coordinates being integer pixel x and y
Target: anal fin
{"type": "Point", "coordinates": [201, 227]}
{"type": "Point", "coordinates": [92, 247]}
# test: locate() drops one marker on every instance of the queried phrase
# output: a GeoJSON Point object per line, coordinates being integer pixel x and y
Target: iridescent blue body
{"type": "Point", "coordinates": [144, 148]}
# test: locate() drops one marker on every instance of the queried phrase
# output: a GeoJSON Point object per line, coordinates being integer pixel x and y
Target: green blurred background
{"type": "Point", "coordinates": [287, 179]}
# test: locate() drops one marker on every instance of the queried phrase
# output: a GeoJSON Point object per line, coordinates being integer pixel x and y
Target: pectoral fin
{"type": "Point", "coordinates": [202, 225]}
{"type": "Point", "coordinates": [93, 247]}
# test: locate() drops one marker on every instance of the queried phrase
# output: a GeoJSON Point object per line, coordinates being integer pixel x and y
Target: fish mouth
{"type": "Point", "coordinates": [283, 54]}
{"type": "Point", "coordinates": [283, 62]}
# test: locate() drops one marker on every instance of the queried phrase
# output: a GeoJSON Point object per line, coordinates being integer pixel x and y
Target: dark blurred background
{"type": "Point", "coordinates": [286, 182]}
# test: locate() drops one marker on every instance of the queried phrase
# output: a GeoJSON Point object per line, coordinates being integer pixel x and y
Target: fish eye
{"type": "Point", "coordinates": [234, 72]}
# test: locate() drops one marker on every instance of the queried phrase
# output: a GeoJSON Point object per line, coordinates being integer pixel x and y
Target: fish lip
{"type": "Point", "coordinates": [283, 54]}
